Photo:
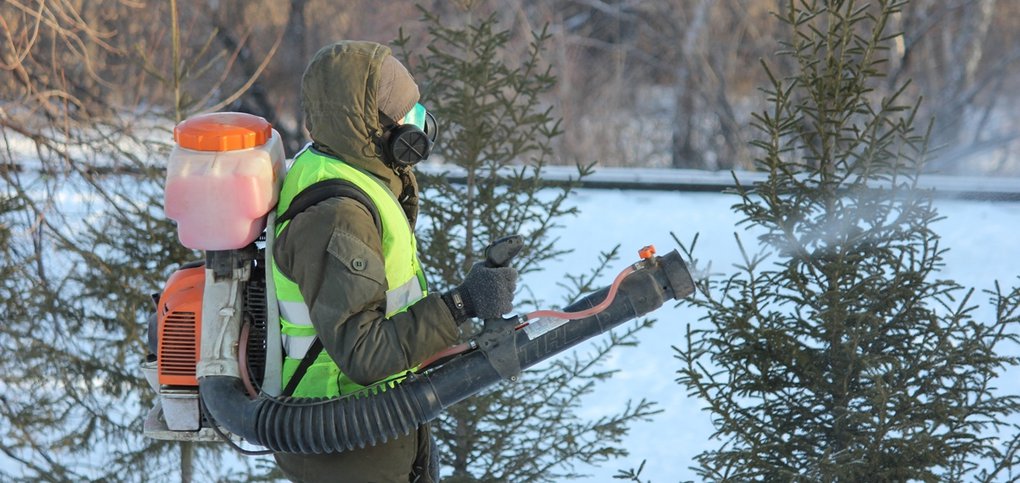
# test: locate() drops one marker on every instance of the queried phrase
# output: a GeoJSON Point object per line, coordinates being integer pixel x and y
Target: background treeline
{"type": "Point", "coordinates": [668, 83]}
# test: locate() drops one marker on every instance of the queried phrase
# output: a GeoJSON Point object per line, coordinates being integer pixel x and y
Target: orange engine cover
{"type": "Point", "coordinates": [180, 327]}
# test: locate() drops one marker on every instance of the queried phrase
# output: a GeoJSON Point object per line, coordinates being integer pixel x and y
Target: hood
{"type": "Point", "coordinates": [340, 99]}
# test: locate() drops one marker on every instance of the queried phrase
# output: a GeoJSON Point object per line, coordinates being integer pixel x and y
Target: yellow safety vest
{"type": "Point", "coordinates": [404, 277]}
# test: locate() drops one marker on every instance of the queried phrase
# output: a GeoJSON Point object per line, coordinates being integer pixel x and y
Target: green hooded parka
{"type": "Point", "coordinates": [334, 254]}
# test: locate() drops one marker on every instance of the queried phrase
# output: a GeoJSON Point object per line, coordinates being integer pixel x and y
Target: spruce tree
{"type": "Point", "coordinates": [835, 352]}
{"type": "Point", "coordinates": [496, 134]}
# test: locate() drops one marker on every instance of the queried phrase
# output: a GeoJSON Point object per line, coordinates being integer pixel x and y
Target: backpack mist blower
{"type": "Point", "coordinates": [215, 338]}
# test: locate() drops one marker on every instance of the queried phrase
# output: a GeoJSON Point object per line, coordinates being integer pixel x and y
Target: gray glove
{"type": "Point", "coordinates": [487, 292]}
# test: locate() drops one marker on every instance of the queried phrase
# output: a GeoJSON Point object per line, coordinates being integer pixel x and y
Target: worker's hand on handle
{"type": "Point", "coordinates": [487, 292]}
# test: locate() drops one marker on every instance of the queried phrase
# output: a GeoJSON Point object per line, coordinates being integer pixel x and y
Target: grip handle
{"type": "Point", "coordinates": [500, 252]}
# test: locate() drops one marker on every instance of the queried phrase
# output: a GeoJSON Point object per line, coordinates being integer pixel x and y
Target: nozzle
{"type": "Point", "coordinates": [647, 252]}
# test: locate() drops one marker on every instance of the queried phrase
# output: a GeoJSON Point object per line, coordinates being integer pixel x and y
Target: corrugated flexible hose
{"type": "Point", "coordinates": [320, 426]}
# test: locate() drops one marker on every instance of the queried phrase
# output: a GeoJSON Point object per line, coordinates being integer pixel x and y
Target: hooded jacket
{"type": "Point", "coordinates": [316, 250]}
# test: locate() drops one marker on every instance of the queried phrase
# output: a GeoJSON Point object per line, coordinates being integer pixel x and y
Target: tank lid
{"type": "Point", "coordinates": [222, 131]}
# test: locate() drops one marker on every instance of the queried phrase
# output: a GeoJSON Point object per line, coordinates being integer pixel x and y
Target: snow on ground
{"type": "Point", "coordinates": [981, 237]}
{"type": "Point", "coordinates": [980, 234]}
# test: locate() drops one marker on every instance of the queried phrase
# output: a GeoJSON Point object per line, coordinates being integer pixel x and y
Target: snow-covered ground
{"type": "Point", "coordinates": [981, 237]}
{"type": "Point", "coordinates": [980, 234]}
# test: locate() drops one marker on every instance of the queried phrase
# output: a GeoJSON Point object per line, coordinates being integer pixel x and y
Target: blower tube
{"type": "Point", "coordinates": [333, 425]}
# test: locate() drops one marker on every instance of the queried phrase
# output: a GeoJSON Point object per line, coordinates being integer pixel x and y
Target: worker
{"type": "Point", "coordinates": [355, 310]}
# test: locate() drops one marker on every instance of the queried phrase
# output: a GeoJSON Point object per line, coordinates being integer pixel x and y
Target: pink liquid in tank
{"type": "Point", "coordinates": [218, 213]}
{"type": "Point", "coordinates": [220, 196]}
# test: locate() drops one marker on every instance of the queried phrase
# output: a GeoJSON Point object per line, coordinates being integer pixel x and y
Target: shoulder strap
{"type": "Point", "coordinates": [302, 368]}
{"type": "Point", "coordinates": [328, 189]}
{"type": "Point", "coordinates": [307, 198]}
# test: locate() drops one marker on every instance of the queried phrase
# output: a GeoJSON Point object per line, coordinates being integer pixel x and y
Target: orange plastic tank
{"type": "Point", "coordinates": [223, 177]}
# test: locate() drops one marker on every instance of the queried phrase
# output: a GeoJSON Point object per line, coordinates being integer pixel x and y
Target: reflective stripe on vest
{"type": "Point", "coordinates": [404, 277]}
{"type": "Point", "coordinates": [300, 333]}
